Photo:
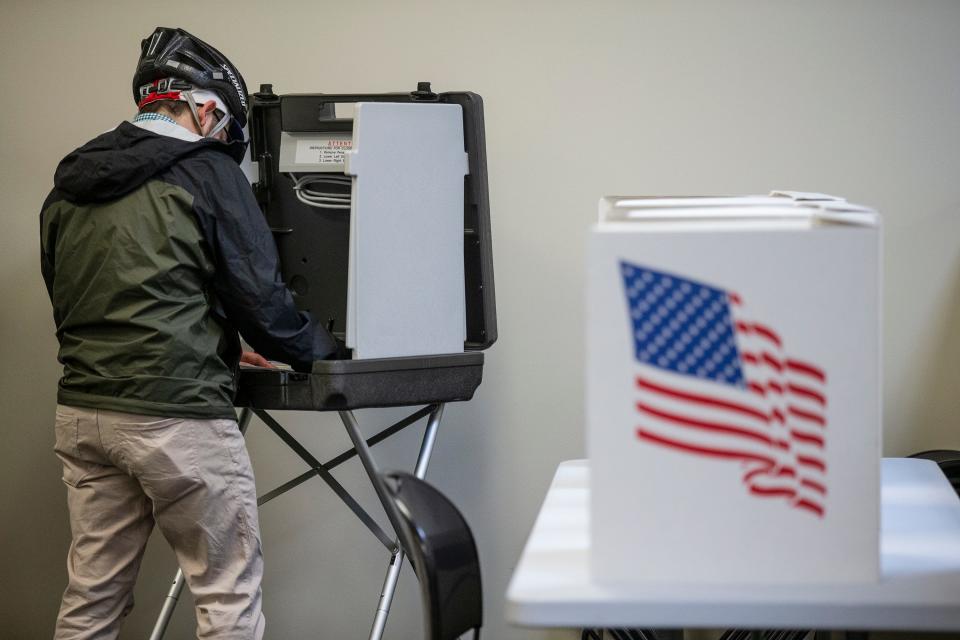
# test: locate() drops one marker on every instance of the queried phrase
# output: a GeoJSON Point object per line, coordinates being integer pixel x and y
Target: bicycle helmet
{"type": "Point", "coordinates": [173, 63]}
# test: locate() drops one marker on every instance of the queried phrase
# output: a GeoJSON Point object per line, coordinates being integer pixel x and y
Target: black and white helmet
{"type": "Point", "coordinates": [173, 54]}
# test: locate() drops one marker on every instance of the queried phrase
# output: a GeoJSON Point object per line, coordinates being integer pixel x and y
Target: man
{"type": "Point", "coordinates": [155, 254]}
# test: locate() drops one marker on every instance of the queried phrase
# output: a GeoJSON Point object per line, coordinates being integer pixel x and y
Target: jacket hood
{"type": "Point", "coordinates": [119, 161]}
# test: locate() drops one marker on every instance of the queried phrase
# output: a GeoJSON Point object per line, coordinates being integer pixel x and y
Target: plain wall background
{"type": "Point", "coordinates": [860, 99]}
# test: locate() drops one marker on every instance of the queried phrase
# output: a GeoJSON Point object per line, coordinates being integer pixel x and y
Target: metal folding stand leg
{"type": "Point", "coordinates": [420, 471]}
{"type": "Point", "coordinates": [360, 448]}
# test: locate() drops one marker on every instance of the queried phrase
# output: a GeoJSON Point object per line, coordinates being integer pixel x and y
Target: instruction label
{"type": "Point", "coordinates": [322, 150]}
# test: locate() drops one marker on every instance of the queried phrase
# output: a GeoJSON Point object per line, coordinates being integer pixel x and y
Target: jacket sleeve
{"type": "Point", "coordinates": [48, 238]}
{"type": "Point", "coordinates": [247, 281]}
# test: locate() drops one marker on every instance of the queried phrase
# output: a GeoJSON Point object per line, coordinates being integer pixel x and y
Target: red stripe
{"type": "Point", "coordinates": [767, 333]}
{"type": "Point", "coordinates": [807, 369]}
{"type": "Point", "coordinates": [705, 451]}
{"type": "Point", "coordinates": [703, 424]}
{"type": "Point", "coordinates": [806, 504]}
{"type": "Point", "coordinates": [782, 444]}
{"type": "Point", "coordinates": [789, 472]}
{"type": "Point", "coordinates": [807, 461]}
{"type": "Point", "coordinates": [734, 298]}
{"type": "Point", "coordinates": [762, 388]}
{"type": "Point", "coordinates": [701, 399]}
{"type": "Point", "coordinates": [816, 486]}
{"type": "Point", "coordinates": [772, 492]}
{"type": "Point", "coordinates": [773, 362]}
{"type": "Point", "coordinates": [742, 326]}
{"type": "Point", "coordinates": [806, 415]}
{"type": "Point", "coordinates": [767, 357]}
{"type": "Point", "coordinates": [775, 414]}
{"type": "Point", "coordinates": [809, 438]}
{"type": "Point", "coordinates": [807, 392]}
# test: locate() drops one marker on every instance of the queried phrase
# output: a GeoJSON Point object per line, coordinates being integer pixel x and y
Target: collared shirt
{"type": "Point", "coordinates": [164, 126]}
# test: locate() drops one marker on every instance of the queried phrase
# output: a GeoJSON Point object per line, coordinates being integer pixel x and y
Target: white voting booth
{"type": "Point", "coordinates": [733, 390]}
{"type": "Point", "coordinates": [381, 222]}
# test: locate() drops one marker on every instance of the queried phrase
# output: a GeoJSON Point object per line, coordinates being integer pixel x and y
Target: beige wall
{"type": "Point", "coordinates": [860, 99]}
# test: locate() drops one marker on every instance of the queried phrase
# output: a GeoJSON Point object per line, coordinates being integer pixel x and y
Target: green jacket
{"type": "Point", "coordinates": [155, 254]}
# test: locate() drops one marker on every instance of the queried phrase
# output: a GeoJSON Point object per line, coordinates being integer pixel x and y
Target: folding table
{"type": "Point", "coordinates": [919, 589]}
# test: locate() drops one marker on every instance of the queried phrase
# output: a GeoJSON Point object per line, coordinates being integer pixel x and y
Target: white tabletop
{"type": "Point", "coordinates": [919, 589]}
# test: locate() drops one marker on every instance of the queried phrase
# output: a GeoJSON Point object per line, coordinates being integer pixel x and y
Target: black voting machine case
{"type": "Point", "coordinates": [313, 248]}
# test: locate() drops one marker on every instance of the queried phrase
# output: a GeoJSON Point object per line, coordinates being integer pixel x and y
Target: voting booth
{"type": "Point", "coordinates": [352, 199]}
{"type": "Point", "coordinates": [379, 208]}
{"type": "Point", "coordinates": [733, 390]}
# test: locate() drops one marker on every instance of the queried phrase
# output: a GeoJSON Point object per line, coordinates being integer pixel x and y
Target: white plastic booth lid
{"type": "Point", "coordinates": [780, 209]}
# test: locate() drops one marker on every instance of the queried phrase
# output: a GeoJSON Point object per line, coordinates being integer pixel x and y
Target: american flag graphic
{"type": "Point", "coordinates": [712, 382]}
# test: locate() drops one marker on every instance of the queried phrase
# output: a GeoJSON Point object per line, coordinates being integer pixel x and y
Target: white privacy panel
{"type": "Point", "coordinates": [405, 292]}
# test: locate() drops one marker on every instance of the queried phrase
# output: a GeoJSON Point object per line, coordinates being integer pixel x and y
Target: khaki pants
{"type": "Point", "coordinates": [123, 473]}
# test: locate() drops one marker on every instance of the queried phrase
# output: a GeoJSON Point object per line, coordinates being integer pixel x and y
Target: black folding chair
{"type": "Point", "coordinates": [443, 554]}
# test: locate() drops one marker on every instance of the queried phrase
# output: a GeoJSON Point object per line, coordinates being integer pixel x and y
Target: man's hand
{"type": "Point", "coordinates": [255, 360]}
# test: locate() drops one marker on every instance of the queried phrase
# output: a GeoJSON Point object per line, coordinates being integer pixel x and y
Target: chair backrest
{"type": "Point", "coordinates": [442, 551]}
{"type": "Point", "coordinates": [949, 462]}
